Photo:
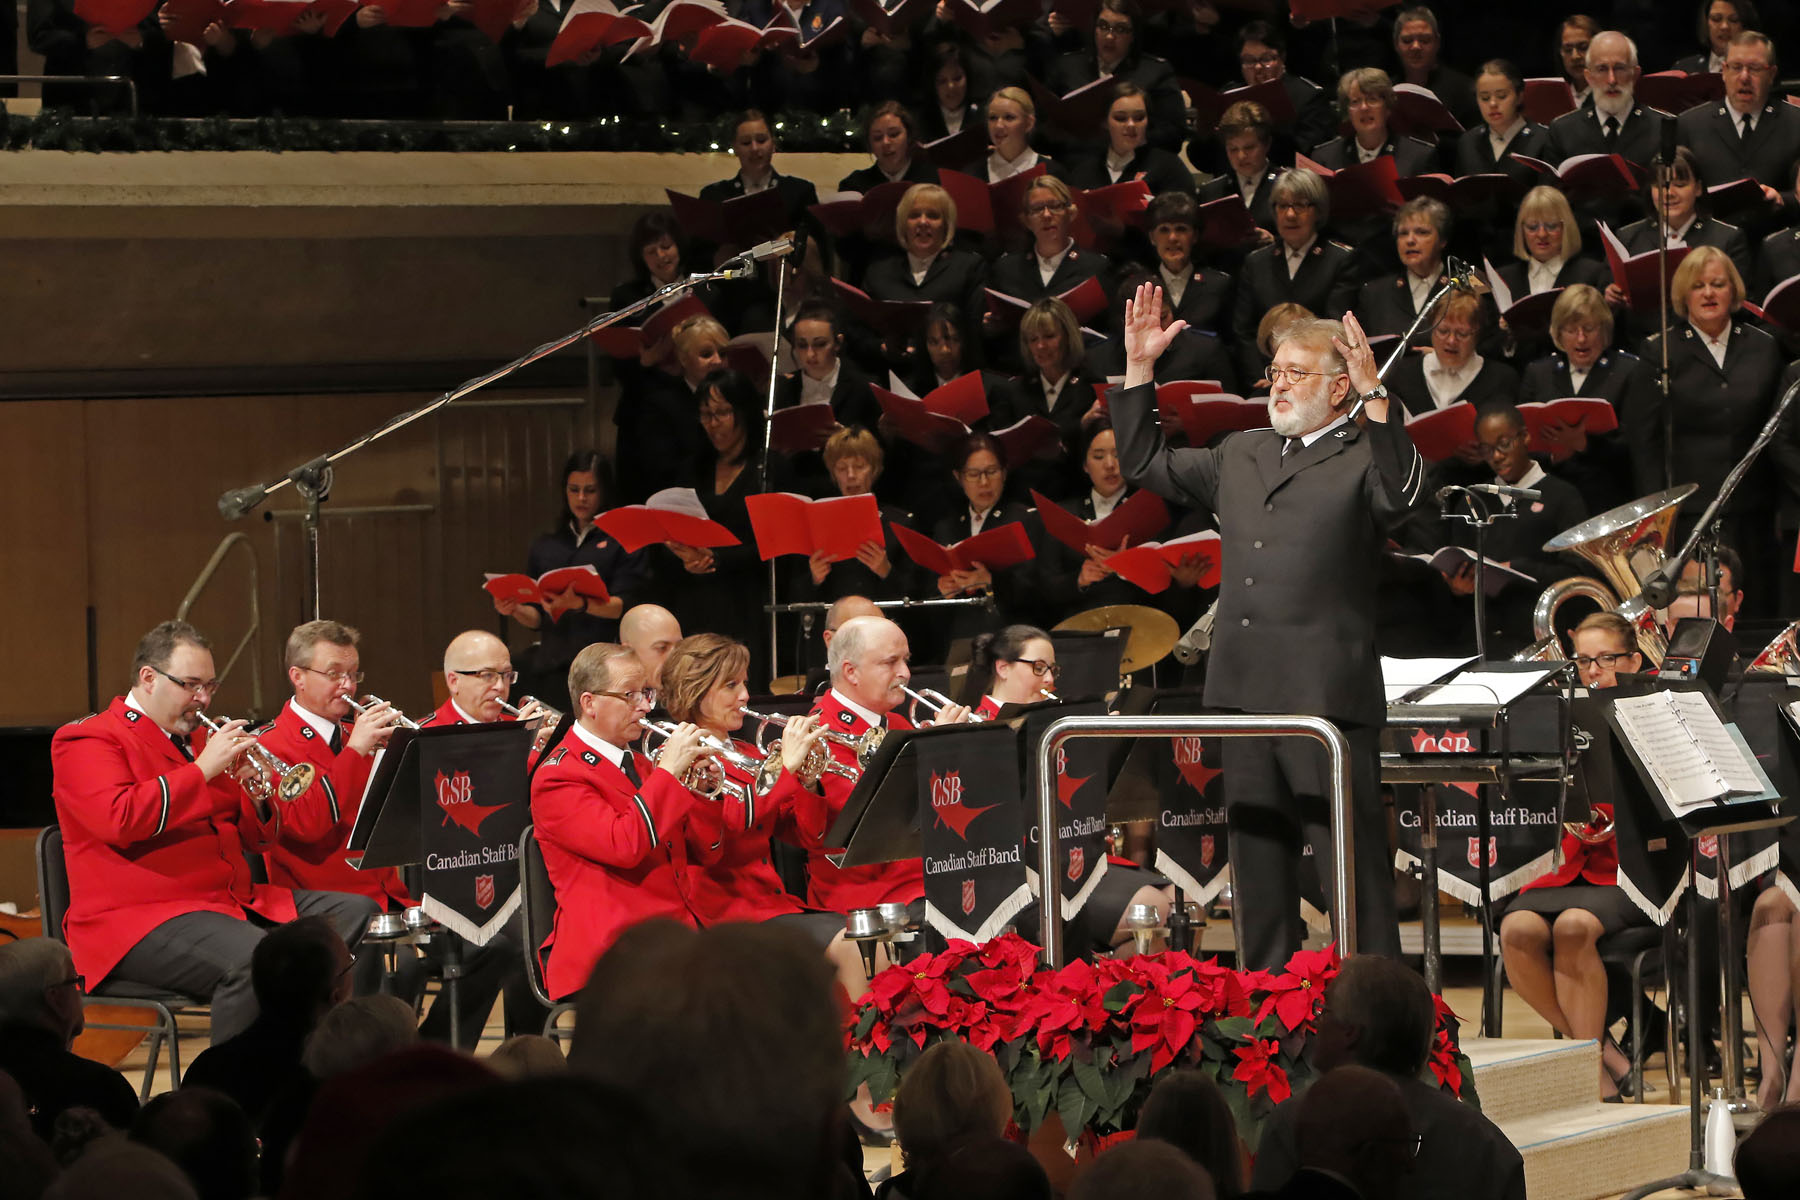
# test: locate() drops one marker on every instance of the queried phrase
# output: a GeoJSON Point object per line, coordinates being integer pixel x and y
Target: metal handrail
{"type": "Point", "coordinates": [1343, 839]}
{"type": "Point", "coordinates": [129, 83]}
{"type": "Point", "coordinates": [254, 633]}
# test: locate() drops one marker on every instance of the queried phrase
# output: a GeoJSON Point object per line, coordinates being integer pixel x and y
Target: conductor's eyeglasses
{"type": "Point", "coordinates": [491, 675]}
{"type": "Point", "coordinates": [1293, 374]}
{"type": "Point", "coordinates": [1599, 660]}
{"type": "Point", "coordinates": [1040, 668]}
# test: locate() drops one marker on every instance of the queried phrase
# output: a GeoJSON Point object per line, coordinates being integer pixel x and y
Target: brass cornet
{"type": "Point", "coordinates": [363, 705]}
{"type": "Point", "coordinates": [291, 780]}
{"type": "Point", "coordinates": [547, 721]}
{"type": "Point", "coordinates": [936, 701]}
{"type": "Point", "coordinates": [707, 776]}
{"type": "Point", "coordinates": [818, 760]}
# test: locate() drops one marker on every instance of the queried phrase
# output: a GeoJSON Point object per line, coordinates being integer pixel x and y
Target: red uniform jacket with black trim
{"type": "Point", "coordinates": [309, 853]}
{"type": "Point", "coordinates": [446, 714]}
{"type": "Point", "coordinates": [742, 885]}
{"type": "Point", "coordinates": [617, 855]}
{"type": "Point", "coordinates": [841, 889]}
{"type": "Point", "coordinates": [147, 838]}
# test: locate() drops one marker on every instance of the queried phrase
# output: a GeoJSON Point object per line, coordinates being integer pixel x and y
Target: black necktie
{"type": "Point", "coordinates": [181, 744]}
{"type": "Point", "coordinates": [1611, 129]}
{"type": "Point", "coordinates": [336, 741]}
{"type": "Point", "coordinates": [1744, 127]}
{"type": "Point", "coordinates": [630, 769]}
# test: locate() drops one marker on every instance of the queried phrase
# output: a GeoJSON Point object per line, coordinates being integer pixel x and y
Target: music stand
{"type": "Point", "coordinates": [880, 820]}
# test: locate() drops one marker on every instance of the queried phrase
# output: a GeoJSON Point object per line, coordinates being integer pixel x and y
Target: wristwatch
{"type": "Point", "coordinates": [1378, 392]}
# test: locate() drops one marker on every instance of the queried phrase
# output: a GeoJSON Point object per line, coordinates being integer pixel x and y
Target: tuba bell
{"type": "Point", "coordinates": [1779, 657]}
{"type": "Point", "coordinates": [1627, 544]}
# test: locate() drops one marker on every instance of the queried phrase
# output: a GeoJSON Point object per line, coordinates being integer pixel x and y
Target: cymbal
{"type": "Point", "coordinates": [787, 685]}
{"type": "Point", "coordinates": [1153, 632]}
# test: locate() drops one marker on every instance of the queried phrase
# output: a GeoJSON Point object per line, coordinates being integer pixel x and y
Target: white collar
{"type": "Point", "coordinates": [919, 266]}
{"type": "Point", "coordinates": [466, 718]}
{"type": "Point", "coordinates": [1724, 338]}
{"type": "Point", "coordinates": [132, 701]}
{"type": "Point", "coordinates": [1307, 439]}
{"type": "Point", "coordinates": [1680, 235]}
{"type": "Point", "coordinates": [1115, 165]}
{"type": "Point", "coordinates": [323, 726]}
{"type": "Point", "coordinates": [1468, 370]}
{"type": "Point", "coordinates": [605, 749]}
{"type": "Point", "coordinates": [581, 535]}
{"type": "Point", "coordinates": [1303, 251]}
{"type": "Point", "coordinates": [1364, 155]}
{"type": "Point", "coordinates": [752, 189]}
{"type": "Point", "coordinates": [1104, 505]}
{"type": "Point", "coordinates": [953, 119]}
{"type": "Point", "coordinates": [1536, 270]}
{"type": "Point", "coordinates": [1533, 475]}
{"type": "Point", "coordinates": [812, 387]}
{"type": "Point", "coordinates": [1054, 261]}
{"type": "Point", "coordinates": [1504, 138]}
{"type": "Point", "coordinates": [869, 716]}
{"type": "Point", "coordinates": [983, 516]}
{"type": "Point", "coordinates": [895, 178]}
{"type": "Point", "coordinates": [1052, 390]}
{"type": "Point", "coordinates": [1005, 168]}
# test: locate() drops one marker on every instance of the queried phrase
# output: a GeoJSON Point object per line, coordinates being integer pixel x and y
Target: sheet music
{"type": "Point", "coordinates": [1402, 675]}
{"type": "Point", "coordinates": [1658, 732]}
{"type": "Point", "coordinates": [1486, 687]}
{"type": "Point", "coordinates": [1716, 741]}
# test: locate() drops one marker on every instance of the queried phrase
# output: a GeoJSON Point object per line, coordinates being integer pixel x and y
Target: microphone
{"type": "Point", "coordinates": [233, 505]}
{"type": "Point", "coordinates": [1464, 277]}
{"type": "Point", "coordinates": [744, 265]}
{"type": "Point", "coordinates": [1448, 493]}
{"type": "Point", "coordinates": [1506, 489]}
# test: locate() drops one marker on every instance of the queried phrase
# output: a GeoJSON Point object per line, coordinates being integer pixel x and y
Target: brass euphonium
{"type": "Point", "coordinates": [1779, 657]}
{"type": "Point", "coordinates": [1627, 543]}
{"type": "Point", "coordinates": [291, 779]}
{"type": "Point", "coordinates": [1598, 828]}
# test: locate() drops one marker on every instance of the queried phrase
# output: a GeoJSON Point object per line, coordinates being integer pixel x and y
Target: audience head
{"type": "Point", "coordinates": [207, 1135]}
{"type": "Point", "coordinates": [1049, 209]}
{"type": "Point", "coordinates": [1581, 325]}
{"type": "Point", "coordinates": [356, 1033]}
{"type": "Point", "coordinates": [39, 987]}
{"type": "Point", "coordinates": [1366, 95]}
{"type": "Point", "coordinates": [528, 1056]}
{"type": "Point", "coordinates": [30, 1164]}
{"type": "Point", "coordinates": [731, 1036]}
{"type": "Point", "coordinates": [1275, 321]}
{"type": "Point", "coordinates": [172, 676]}
{"type": "Point", "coordinates": [1604, 645]}
{"type": "Point", "coordinates": [1262, 52]}
{"type": "Point", "coordinates": [1174, 222]}
{"type": "Point", "coordinates": [868, 662]}
{"type": "Point", "coordinates": [1050, 338]}
{"type": "Point", "coordinates": [952, 1092]}
{"type": "Point", "coordinates": [983, 1168]}
{"type": "Point", "coordinates": [651, 631]}
{"type": "Point", "coordinates": [1011, 120]}
{"type": "Point", "coordinates": [1187, 1110]}
{"type": "Point", "coordinates": [1299, 404]}
{"type": "Point", "coordinates": [1422, 235]}
{"type": "Point", "coordinates": [1015, 666]}
{"type": "Point", "coordinates": [1352, 1122]}
{"type": "Point", "coordinates": [699, 343]}
{"type": "Point", "coordinates": [1144, 1168]}
{"type": "Point", "coordinates": [1706, 289]}
{"type": "Point", "coordinates": [730, 415]}
{"type": "Point", "coordinates": [1505, 441]}
{"type": "Point", "coordinates": [1301, 206]}
{"type": "Point", "coordinates": [1749, 69]}
{"type": "Point", "coordinates": [1378, 1013]}
{"type": "Point", "coordinates": [1247, 129]}
{"type": "Point", "coordinates": [1767, 1164]}
{"type": "Point", "coordinates": [324, 667]}
{"type": "Point", "coordinates": [891, 133]}
{"type": "Point", "coordinates": [816, 340]}
{"type": "Point", "coordinates": [1097, 451]}
{"type": "Point", "coordinates": [753, 142]}
{"type": "Point", "coordinates": [950, 355]}
{"type": "Point", "coordinates": [978, 463]}
{"type": "Point", "coordinates": [655, 247]}
{"type": "Point", "coordinates": [300, 971]}
{"type": "Point", "coordinates": [1574, 37]}
{"type": "Point", "coordinates": [1458, 326]}
{"type": "Point", "coordinates": [854, 459]}
{"type": "Point", "coordinates": [703, 681]}
{"type": "Point", "coordinates": [478, 673]}
{"type": "Point", "coordinates": [1612, 71]}
{"type": "Point", "coordinates": [610, 692]}
{"type": "Point", "coordinates": [1500, 91]}
{"type": "Point", "coordinates": [114, 1167]}
{"type": "Point", "coordinates": [925, 221]}
{"type": "Point", "coordinates": [1417, 39]}
{"type": "Point", "coordinates": [1545, 228]}
{"type": "Point", "coordinates": [843, 609]}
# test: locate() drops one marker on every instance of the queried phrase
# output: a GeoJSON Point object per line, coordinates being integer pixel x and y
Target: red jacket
{"type": "Point", "coordinates": [148, 838]}
{"type": "Point", "coordinates": [617, 855]}
{"type": "Point", "coordinates": [446, 714]}
{"type": "Point", "coordinates": [309, 853]}
{"type": "Point", "coordinates": [742, 885]}
{"type": "Point", "coordinates": [988, 709]}
{"type": "Point", "coordinates": [1583, 862]}
{"type": "Point", "coordinates": [840, 889]}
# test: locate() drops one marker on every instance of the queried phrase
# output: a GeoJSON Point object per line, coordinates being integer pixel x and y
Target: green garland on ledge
{"type": "Point", "coordinates": [57, 129]}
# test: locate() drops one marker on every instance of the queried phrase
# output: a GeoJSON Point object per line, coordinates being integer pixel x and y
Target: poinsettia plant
{"type": "Point", "coordinates": [1091, 1039]}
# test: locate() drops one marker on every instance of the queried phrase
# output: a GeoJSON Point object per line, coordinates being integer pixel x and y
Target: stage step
{"type": "Point", "coordinates": [1542, 1095]}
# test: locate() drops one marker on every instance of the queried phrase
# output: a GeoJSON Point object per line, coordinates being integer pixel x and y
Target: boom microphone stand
{"type": "Point", "coordinates": [1459, 276]}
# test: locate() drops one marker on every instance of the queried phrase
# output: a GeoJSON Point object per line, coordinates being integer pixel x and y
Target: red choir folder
{"type": "Point", "coordinates": [1207, 102]}
{"type": "Point", "coordinates": [1360, 191]}
{"type": "Point", "coordinates": [186, 20]}
{"type": "Point", "coordinates": [114, 16]}
{"type": "Point", "coordinates": [1419, 113]}
{"type": "Point", "coordinates": [992, 16]}
{"type": "Point", "coordinates": [869, 214]}
{"type": "Point", "coordinates": [409, 14]}
{"type": "Point", "coordinates": [997, 548]}
{"type": "Point", "coordinates": [801, 427]}
{"type": "Point", "coordinates": [983, 207]}
{"type": "Point", "coordinates": [1591, 176]}
{"type": "Point", "coordinates": [1148, 565]}
{"type": "Point", "coordinates": [1674, 92]}
{"type": "Point", "coordinates": [493, 17]}
{"type": "Point", "coordinates": [1139, 517]}
{"type": "Point", "coordinates": [963, 399]}
{"type": "Point", "coordinates": [1547, 98]}
{"type": "Point", "coordinates": [1226, 223]}
{"type": "Point", "coordinates": [1781, 306]}
{"type": "Point", "coordinates": [891, 21]}
{"type": "Point", "coordinates": [681, 19]}
{"type": "Point", "coordinates": [1735, 198]}
{"type": "Point", "coordinates": [1028, 438]}
{"type": "Point", "coordinates": [889, 318]}
{"type": "Point", "coordinates": [629, 341]}
{"type": "Point", "coordinates": [917, 424]}
{"type": "Point", "coordinates": [1204, 417]}
{"type": "Point", "coordinates": [1324, 10]}
{"type": "Point", "coordinates": [789, 523]}
{"type": "Point", "coordinates": [1638, 275]}
{"type": "Point", "coordinates": [1447, 560]}
{"type": "Point", "coordinates": [724, 44]}
{"type": "Point", "coordinates": [591, 25]}
{"type": "Point", "coordinates": [1081, 112]}
{"type": "Point", "coordinates": [752, 354]}
{"type": "Point", "coordinates": [1439, 434]}
{"type": "Point", "coordinates": [1529, 313]}
{"type": "Point", "coordinates": [1086, 300]}
{"type": "Point", "coordinates": [1589, 413]}
{"type": "Point", "coordinates": [671, 515]}
{"type": "Point", "coordinates": [957, 150]}
{"type": "Point", "coordinates": [1172, 399]}
{"type": "Point", "coordinates": [1461, 194]}
{"type": "Point", "coordinates": [739, 221]}
{"type": "Point", "coordinates": [1271, 95]}
{"type": "Point", "coordinates": [584, 579]}
{"type": "Point", "coordinates": [1121, 203]}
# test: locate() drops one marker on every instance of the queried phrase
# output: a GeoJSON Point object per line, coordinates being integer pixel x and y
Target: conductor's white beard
{"type": "Point", "coordinates": [1299, 414]}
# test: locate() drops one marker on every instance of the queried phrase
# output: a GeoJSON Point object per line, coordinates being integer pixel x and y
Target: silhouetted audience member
{"type": "Point", "coordinates": [1187, 1110]}
{"type": "Point", "coordinates": [40, 1014]}
{"type": "Point", "coordinates": [952, 1094]}
{"type": "Point", "coordinates": [299, 972]}
{"type": "Point", "coordinates": [984, 1168]}
{"type": "Point", "coordinates": [116, 1168]}
{"type": "Point", "coordinates": [731, 1037]}
{"type": "Point", "coordinates": [1768, 1159]}
{"type": "Point", "coordinates": [207, 1135]}
{"type": "Point", "coordinates": [1353, 1136]}
{"type": "Point", "coordinates": [528, 1056]}
{"type": "Point", "coordinates": [569, 1138]}
{"type": "Point", "coordinates": [29, 1164]}
{"type": "Point", "coordinates": [1140, 1169]}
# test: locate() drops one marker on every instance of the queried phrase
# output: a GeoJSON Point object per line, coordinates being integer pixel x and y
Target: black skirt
{"type": "Point", "coordinates": [1607, 902]}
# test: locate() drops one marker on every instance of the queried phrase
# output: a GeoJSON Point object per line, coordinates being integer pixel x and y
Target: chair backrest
{"type": "Point", "coordinates": [538, 903]}
{"type": "Point", "coordinates": [52, 880]}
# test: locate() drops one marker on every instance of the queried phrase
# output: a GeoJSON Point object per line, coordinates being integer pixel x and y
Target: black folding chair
{"type": "Point", "coordinates": [539, 902]}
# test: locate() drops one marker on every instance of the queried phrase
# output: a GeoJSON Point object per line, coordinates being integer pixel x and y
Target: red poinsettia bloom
{"type": "Point", "coordinates": [924, 979]}
{"type": "Point", "coordinates": [1164, 1019]}
{"type": "Point", "coordinates": [1295, 994]}
{"type": "Point", "coordinates": [1259, 1071]}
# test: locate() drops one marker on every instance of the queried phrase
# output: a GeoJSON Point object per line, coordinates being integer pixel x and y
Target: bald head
{"type": "Point", "coordinates": [652, 631]}
{"type": "Point", "coordinates": [846, 608]}
{"type": "Point", "coordinates": [868, 662]}
{"type": "Point", "coordinates": [477, 670]}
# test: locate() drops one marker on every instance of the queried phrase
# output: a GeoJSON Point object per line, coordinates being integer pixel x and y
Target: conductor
{"type": "Point", "coordinates": [1303, 510]}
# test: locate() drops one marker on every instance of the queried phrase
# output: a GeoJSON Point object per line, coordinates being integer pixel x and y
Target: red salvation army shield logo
{"type": "Point", "coordinates": [484, 891]}
{"type": "Point", "coordinates": [1077, 860]}
{"type": "Point", "coordinates": [1206, 849]}
{"type": "Point", "coordinates": [968, 896]}
{"type": "Point", "coordinates": [1709, 845]}
{"type": "Point", "coordinates": [1475, 851]}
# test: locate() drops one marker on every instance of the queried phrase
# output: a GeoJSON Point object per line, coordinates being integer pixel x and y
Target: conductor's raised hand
{"type": "Point", "coordinates": [1145, 335]}
{"type": "Point", "coordinates": [1359, 365]}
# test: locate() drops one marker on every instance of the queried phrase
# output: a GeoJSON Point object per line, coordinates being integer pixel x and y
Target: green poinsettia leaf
{"type": "Point", "coordinates": [1233, 1028]}
{"type": "Point", "coordinates": [1074, 1106]}
{"type": "Point", "coordinates": [1118, 994]}
{"type": "Point", "coordinates": [1087, 1076]}
{"type": "Point", "coordinates": [883, 1079]}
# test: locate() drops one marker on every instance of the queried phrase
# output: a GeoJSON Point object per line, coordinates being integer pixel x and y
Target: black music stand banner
{"type": "Point", "coordinates": [455, 800]}
{"type": "Point", "coordinates": [1759, 709]}
{"type": "Point", "coordinates": [971, 831]}
{"type": "Point", "coordinates": [1081, 787]}
{"type": "Point", "coordinates": [1192, 842]}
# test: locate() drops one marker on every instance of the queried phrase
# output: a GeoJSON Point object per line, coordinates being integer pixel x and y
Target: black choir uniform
{"type": "Point", "coordinates": [933, 127]}
{"type": "Point", "coordinates": [1638, 140]}
{"type": "Point", "coordinates": [1315, 118]}
{"type": "Point", "coordinates": [1410, 155]}
{"type": "Point", "coordinates": [1641, 236]}
{"type": "Point", "coordinates": [1495, 383]}
{"type": "Point", "coordinates": [1059, 589]}
{"type": "Point", "coordinates": [1520, 347]}
{"type": "Point", "coordinates": [544, 668]}
{"type": "Point", "coordinates": [1518, 542]}
{"type": "Point", "coordinates": [1303, 542]}
{"type": "Point", "coordinates": [796, 193]}
{"type": "Point", "coordinates": [1014, 587]}
{"type": "Point", "coordinates": [1777, 260]}
{"type": "Point", "coordinates": [1371, 237]}
{"type": "Point", "coordinates": [1323, 284]}
{"type": "Point", "coordinates": [851, 402]}
{"type": "Point", "coordinates": [1473, 153]}
{"type": "Point", "coordinates": [854, 251]}
{"type": "Point", "coordinates": [850, 578]}
{"type": "Point", "coordinates": [1767, 154]}
{"type": "Point", "coordinates": [1604, 472]}
{"type": "Point", "coordinates": [1385, 305]}
{"type": "Point", "coordinates": [1192, 355]}
{"type": "Point", "coordinates": [1205, 301]}
{"type": "Point", "coordinates": [1261, 203]}
{"type": "Point", "coordinates": [1162, 94]}
{"type": "Point", "coordinates": [1017, 274]}
{"type": "Point", "coordinates": [955, 276]}
{"type": "Point", "coordinates": [1160, 170]}
{"type": "Point", "coordinates": [1455, 91]}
